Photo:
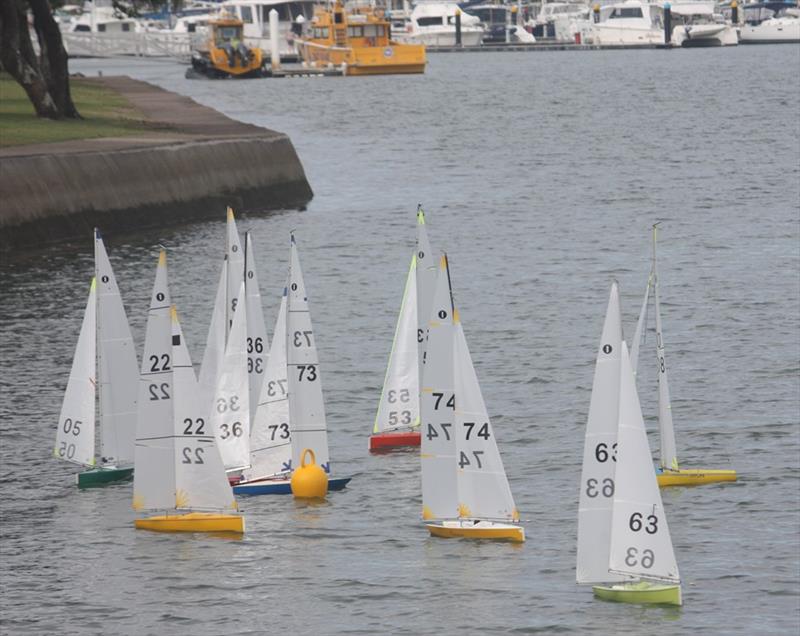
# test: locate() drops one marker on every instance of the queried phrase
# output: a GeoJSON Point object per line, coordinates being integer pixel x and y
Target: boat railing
{"type": "Point", "coordinates": [323, 47]}
{"type": "Point", "coordinates": [141, 44]}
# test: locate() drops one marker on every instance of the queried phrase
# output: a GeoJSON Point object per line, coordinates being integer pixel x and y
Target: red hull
{"type": "Point", "coordinates": [388, 441]}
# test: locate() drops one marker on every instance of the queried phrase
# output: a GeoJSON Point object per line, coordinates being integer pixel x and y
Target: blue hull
{"type": "Point", "coordinates": [282, 487]}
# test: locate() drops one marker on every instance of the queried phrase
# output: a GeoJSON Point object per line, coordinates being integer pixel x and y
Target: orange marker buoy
{"type": "Point", "coordinates": [309, 481]}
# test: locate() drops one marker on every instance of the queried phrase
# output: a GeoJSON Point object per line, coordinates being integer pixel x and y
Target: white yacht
{"type": "Point", "coordinates": [628, 23]}
{"type": "Point", "coordinates": [255, 15]}
{"type": "Point", "coordinates": [553, 14]}
{"type": "Point", "coordinates": [770, 22]}
{"type": "Point", "coordinates": [433, 23]}
{"type": "Point", "coordinates": [101, 17]}
{"type": "Point", "coordinates": [697, 24]}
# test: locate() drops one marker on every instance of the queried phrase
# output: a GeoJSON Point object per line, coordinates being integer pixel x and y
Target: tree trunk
{"type": "Point", "coordinates": [19, 59]}
{"type": "Point", "coordinates": [53, 58]}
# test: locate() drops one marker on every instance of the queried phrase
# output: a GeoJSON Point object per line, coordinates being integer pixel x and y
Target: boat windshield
{"type": "Point", "coordinates": [626, 12]}
{"type": "Point", "coordinates": [226, 34]}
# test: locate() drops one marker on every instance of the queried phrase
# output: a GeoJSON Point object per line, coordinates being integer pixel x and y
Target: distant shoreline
{"type": "Point", "coordinates": [186, 158]}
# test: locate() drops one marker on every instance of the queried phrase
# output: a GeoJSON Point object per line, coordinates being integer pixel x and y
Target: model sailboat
{"type": "Point", "coordinates": [669, 472]}
{"type": "Point", "coordinates": [304, 405]}
{"type": "Point", "coordinates": [180, 470]}
{"type": "Point", "coordinates": [105, 359]}
{"type": "Point", "coordinates": [397, 421]}
{"type": "Point", "coordinates": [640, 544]}
{"type": "Point", "coordinates": [465, 492]}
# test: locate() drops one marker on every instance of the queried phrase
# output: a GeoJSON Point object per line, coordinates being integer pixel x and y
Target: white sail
{"type": "Point", "coordinates": [641, 326]}
{"type": "Point", "coordinates": [200, 480]}
{"type": "Point", "coordinates": [306, 406]}
{"type": "Point", "coordinates": [215, 342]}
{"type": "Point", "coordinates": [427, 273]}
{"type": "Point", "coordinates": [235, 256]}
{"type": "Point", "coordinates": [437, 406]}
{"type": "Point", "coordinates": [669, 454]}
{"type": "Point", "coordinates": [483, 490]}
{"type": "Point", "coordinates": [270, 438]}
{"type": "Point", "coordinates": [154, 474]}
{"type": "Point", "coordinates": [117, 366]}
{"type": "Point", "coordinates": [399, 404]}
{"type": "Point", "coordinates": [600, 453]}
{"type": "Point", "coordinates": [76, 423]}
{"type": "Point", "coordinates": [230, 412]}
{"type": "Point", "coordinates": [257, 345]}
{"type": "Point", "coordinates": [640, 540]}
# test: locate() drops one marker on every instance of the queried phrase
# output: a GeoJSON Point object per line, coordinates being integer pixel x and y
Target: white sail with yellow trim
{"type": "Point", "coordinates": [483, 490]}
{"type": "Point", "coordinates": [154, 473]}
{"type": "Point", "coordinates": [399, 404]}
{"type": "Point", "coordinates": [200, 480]}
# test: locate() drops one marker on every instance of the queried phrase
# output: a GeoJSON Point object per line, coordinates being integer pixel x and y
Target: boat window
{"type": "Point", "coordinates": [321, 33]}
{"type": "Point", "coordinates": [338, 17]}
{"type": "Point", "coordinates": [247, 15]}
{"type": "Point", "coordinates": [434, 21]}
{"type": "Point", "coordinates": [101, 27]}
{"type": "Point", "coordinates": [626, 12]}
{"type": "Point", "coordinates": [355, 31]}
{"type": "Point", "coordinates": [82, 27]}
{"type": "Point", "coordinates": [371, 31]}
{"type": "Point", "coordinates": [126, 26]}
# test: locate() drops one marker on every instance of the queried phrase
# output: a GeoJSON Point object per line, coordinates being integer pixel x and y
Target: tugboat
{"type": "Point", "coordinates": [224, 53]}
{"type": "Point", "coordinates": [359, 41]}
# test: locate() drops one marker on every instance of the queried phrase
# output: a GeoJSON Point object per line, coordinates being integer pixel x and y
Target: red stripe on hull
{"type": "Point", "coordinates": [387, 441]}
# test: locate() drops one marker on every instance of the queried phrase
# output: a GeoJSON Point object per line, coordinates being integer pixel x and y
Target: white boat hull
{"type": "Point", "coordinates": [770, 31]}
{"type": "Point", "coordinates": [704, 35]}
{"type": "Point", "coordinates": [441, 37]}
{"type": "Point", "coordinates": [609, 35]}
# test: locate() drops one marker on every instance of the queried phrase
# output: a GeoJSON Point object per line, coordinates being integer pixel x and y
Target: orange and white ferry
{"type": "Point", "coordinates": [359, 40]}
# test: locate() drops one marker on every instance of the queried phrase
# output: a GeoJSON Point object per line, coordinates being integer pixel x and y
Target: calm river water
{"type": "Point", "coordinates": [541, 175]}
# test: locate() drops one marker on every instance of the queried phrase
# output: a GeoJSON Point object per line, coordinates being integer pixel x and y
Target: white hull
{"type": "Point", "coordinates": [704, 35]}
{"type": "Point", "coordinates": [609, 35]}
{"type": "Point", "coordinates": [441, 37]}
{"type": "Point", "coordinates": [769, 31]}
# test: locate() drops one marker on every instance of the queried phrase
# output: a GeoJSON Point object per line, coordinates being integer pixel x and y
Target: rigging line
{"type": "Point", "coordinates": [449, 283]}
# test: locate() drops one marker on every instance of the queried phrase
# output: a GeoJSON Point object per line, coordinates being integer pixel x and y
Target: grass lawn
{"type": "Point", "coordinates": [105, 114]}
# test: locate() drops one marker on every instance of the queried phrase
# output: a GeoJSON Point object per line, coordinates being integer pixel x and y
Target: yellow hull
{"type": "Point", "coordinates": [640, 592]}
{"type": "Point", "coordinates": [193, 522]}
{"type": "Point", "coordinates": [377, 60]}
{"type": "Point", "coordinates": [482, 530]}
{"type": "Point", "coordinates": [694, 477]}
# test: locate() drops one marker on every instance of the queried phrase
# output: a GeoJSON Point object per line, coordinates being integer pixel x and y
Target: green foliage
{"type": "Point", "coordinates": [105, 114]}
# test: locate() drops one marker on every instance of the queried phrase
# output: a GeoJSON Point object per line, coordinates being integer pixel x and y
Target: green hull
{"type": "Point", "coordinates": [102, 476]}
{"type": "Point", "coordinates": [640, 592]}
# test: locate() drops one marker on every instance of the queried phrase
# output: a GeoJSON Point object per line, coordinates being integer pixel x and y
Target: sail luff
{"type": "Point", "coordinates": [640, 539]}
{"type": "Point", "coordinates": [117, 366]}
{"type": "Point", "coordinates": [599, 453]}
{"type": "Point", "coordinates": [76, 421]}
{"type": "Point", "coordinates": [399, 402]}
{"type": "Point", "coordinates": [215, 341]}
{"type": "Point", "coordinates": [235, 272]}
{"type": "Point", "coordinates": [669, 455]}
{"type": "Point", "coordinates": [427, 274]}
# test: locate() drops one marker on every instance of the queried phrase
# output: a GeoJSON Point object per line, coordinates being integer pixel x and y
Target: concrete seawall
{"type": "Point", "coordinates": [188, 157]}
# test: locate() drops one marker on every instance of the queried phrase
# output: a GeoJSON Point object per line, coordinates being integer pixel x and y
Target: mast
{"type": "Point", "coordinates": [669, 458]}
